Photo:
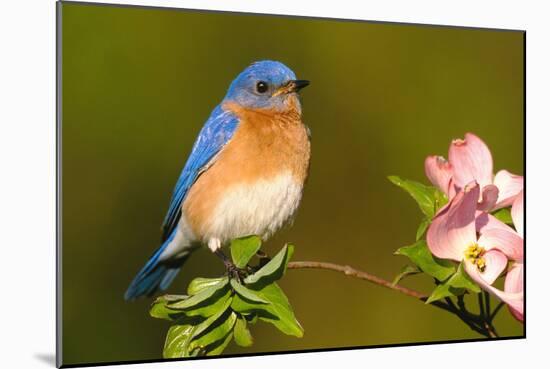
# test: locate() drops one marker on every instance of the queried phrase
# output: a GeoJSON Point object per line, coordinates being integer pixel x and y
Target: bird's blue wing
{"type": "Point", "coordinates": [217, 131]}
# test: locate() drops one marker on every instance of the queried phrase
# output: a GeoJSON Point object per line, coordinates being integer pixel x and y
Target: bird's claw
{"type": "Point", "coordinates": [235, 272]}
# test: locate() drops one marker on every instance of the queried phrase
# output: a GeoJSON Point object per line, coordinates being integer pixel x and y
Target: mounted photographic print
{"type": "Point", "coordinates": [238, 184]}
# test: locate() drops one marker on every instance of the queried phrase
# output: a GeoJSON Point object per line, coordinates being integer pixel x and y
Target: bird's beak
{"type": "Point", "coordinates": [297, 84]}
{"type": "Point", "coordinates": [292, 86]}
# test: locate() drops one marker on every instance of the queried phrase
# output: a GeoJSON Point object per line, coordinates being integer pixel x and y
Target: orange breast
{"type": "Point", "coordinates": [264, 145]}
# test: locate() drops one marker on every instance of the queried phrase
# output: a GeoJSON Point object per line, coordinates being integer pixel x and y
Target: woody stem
{"type": "Point", "coordinates": [473, 321]}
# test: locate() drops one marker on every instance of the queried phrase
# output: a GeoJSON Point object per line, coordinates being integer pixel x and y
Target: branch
{"type": "Point", "coordinates": [471, 320]}
{"type": "Point", "coordinates": [349, 271]}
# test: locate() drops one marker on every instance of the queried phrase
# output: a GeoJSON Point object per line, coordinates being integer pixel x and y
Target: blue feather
{"type": "Point", "coordinates": [217, 131]}
{"type": "Point", "coordinates": [155, 275]}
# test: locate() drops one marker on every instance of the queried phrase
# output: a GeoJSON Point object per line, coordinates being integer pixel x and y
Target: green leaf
{"type": "Point", "coordinates": [246, 293]}
{"type": "Point", "coordinates": [185, 340]}
{"type": "Point", "coordinates": [160, 310]}
{"type": "Point", "coordinates": [420, 255]}
{"type": "Point", "coordinates": [422, 194]}
{"type": "Point", "coordinates": [243, 249]}
{"type": "Point", "coordinates": [198, 284]}
{"type": "Point", "coordinates": [202, 296]}
{"type": "Point", "coordinates": [220, 345]}
{"type": "Point", "coordinates": [177, 341]}
{"type": "Point", "coordinates": [406, 271]}
{"type": "Point", "coordinates": [440, 199]}
{"type": "Point", "coordinates": [242, 334]}
{"type": "Point", "coordinates": [216, 332]}
{"type": "Point", "coordinates": [213, 318]}
{"type": "Point", "coordinates": [442, 291]}
{"type": "Point", "coordinates": [504, 215]}
{"type": "Point", "coordinates": [273, 270]}
{"type": "Point", "coordinates": [422, 227]}
{"type": "Point", "coordinates": [249, 308]}
{"type": "Point", "coordinates": [213, 306]}
{"type": "Point", "coordinates": [454, 286]}
{"type": "Point", "coordinates": [286, 322]}
{"type": "Point", "coordinates": [462, 280]}
{"type": "Point", "coordinates": [278, 312]}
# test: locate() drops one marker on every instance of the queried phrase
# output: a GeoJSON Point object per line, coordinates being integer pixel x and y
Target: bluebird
{"type": "Point", "coordinates": [245, 174]}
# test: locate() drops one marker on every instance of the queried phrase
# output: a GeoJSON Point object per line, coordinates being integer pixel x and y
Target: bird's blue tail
{"type": "Point", "coordinates": [156, 274]}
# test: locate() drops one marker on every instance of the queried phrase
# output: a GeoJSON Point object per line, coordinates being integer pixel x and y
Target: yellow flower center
{"type": "Point", "coordinates": [474, 253]}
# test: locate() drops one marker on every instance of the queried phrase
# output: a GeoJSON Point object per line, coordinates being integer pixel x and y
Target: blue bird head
{"type": "Point", "coordinates": [266, 84]}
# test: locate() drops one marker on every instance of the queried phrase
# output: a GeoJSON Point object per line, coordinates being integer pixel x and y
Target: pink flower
{"type": "Point", "coordinates": [482, 243]}
{"type": "Point", "coordinates": [514, 278]}
{"type": "Point", "coordinates": [440, 172]}
{"type": "Point", "coordinates": [471, 160]}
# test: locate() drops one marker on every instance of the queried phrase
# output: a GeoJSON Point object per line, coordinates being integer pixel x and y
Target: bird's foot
{"type": "Point", "coordinates": [231, 269]}
{"type": "Point", "coordinates": [235, 272]}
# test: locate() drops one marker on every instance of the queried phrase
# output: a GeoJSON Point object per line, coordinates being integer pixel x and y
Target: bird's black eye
{"type": "Point", "coordinates": [261, 87]}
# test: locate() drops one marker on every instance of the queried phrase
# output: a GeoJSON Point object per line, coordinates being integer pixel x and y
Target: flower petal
{"type": "Point", "coordinates": [488, 198]}
{"type": "Point", "coordinates": [486, 221]}
{"type": "Point", "coordinates": [514, 279]}
{"type": "Point", "coordinates": [514, 300]}
{"type": "Point", "coordinates": [509, 242]}
{"type": "Point", "coordinates": [439, 172]}
{"type": "Point", "coordinates": [517, 213]}
{"type": "Point", "coordinates": [509, 186]}
{"type": "Point", "coordinates": [471, 160]}
{"type": "Point", "coordinates": [495, 262]}
{"type": "Point", "coordinates": [453, 228]}
{"type": "Point", "coordinates": [514, 284]}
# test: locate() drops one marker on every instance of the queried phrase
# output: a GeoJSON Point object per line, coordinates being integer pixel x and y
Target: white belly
{"type": "Point", "coordinates": [260, 208]}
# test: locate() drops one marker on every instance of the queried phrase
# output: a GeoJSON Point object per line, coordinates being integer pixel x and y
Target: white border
{"type": "Point", "coordinates": [27, 152]}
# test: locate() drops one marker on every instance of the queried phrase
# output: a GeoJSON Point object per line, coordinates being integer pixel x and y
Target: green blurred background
{"type": "Point", "coordinates": [139, 83]}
